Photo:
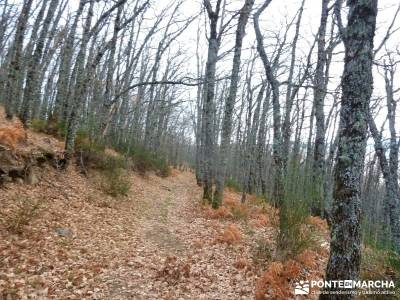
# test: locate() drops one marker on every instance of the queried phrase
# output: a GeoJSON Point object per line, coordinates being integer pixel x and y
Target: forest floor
{"type": "Point", "coordinates": [63, 238]}
{"type": "Point", "coordinates": [157, 243]}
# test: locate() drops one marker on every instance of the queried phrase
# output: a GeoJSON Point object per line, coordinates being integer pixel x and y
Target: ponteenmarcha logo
{"type": "Point", "coordinates": [303, 287]}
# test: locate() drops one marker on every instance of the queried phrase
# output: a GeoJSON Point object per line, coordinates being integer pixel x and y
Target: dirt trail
{"type": "Point", "coordinates": [175, 256]}
{"type": "Point", "coordinates": [153, 244]}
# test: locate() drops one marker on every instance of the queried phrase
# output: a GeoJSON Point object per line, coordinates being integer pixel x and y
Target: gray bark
{"type": "Point", "coordinates": [277, 136]}
{"type": "Point", "coordinates": [230, 102]}
{"type": "Point", "coordinates": [290, 93]}
{"type": "Point", "coordinates": [389, 167]}
{"type": "Point", "coordinates": [319, 96]}
{"type": "Point", "coordinates": [14, 76]}
{"type": "Point", "coordinates": [209, 90]}
{"type": "Point", "coordinates": [357, 83]}
{"type": "Point", "coordinates": [61, 106]}
{"type": "Point", "coordinates": [33, 86]}
{"type": "Point", "coordinates": [80, 88]}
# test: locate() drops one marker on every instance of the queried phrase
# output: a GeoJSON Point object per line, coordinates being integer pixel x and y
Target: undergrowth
{"type": "Point", "coordinates": [274, 283]}
{"type": "Point", "coordinates": [113, 165]}
{"type": "Point", "coordinates": [381, 264]}
{"type": "Point", "coordinates": [144, 161]}
{"type": "Point", "coordinates": [294, 233]}
{"type": "Point", "coordinates": [232, 184]}
{"type": "Point", "coordinates": [51, 127]}
{"type": "Point", "coordinates": [25, 212]}
{"type": "Point", "coordinates": [262, 251]}
{"type": "Point", "coordinates": [12, 135]}
{"type": "Point", "coordinates": [294, 236]}
{"type": "Point", "coordinates": [230, 235]}
{"type": "Point", "coordinates": [92, 155]}
{"type": "Point", "coordinates": [114, 182]}
{"type": "Point", "coordinates": [277, 282]}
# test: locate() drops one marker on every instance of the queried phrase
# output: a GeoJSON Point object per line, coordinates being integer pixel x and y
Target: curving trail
{"type": "Point", "coordinates": [154, 244]}
{"type": "Point", "coordinates": [174, 254]}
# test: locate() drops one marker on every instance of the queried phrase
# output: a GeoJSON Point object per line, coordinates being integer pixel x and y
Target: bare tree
{"type": "Point", "coordinates": [14, 72]}
{"type": "Point", "coordinates": [230, 101]}
{"type": "Point", "coordinates": [389, 166]}
{"type": "Point", "coordinates": [357, 83]}
{"type": "Point", "coordinates": [214, 41]}
{"type": "Point", "coordinates": [276, 108]}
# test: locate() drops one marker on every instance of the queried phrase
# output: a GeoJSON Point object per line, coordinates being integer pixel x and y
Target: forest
{"type": "Point", "coordinates": [209, 149]}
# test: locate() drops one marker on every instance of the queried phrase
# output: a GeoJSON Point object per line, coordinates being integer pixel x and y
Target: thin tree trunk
{"type": "Point", "coordinates": [212, 57]}
{"type": "Point", "coordinates": [229, 104]}
{"type": "Point", "coordinates": [33, 86]}
{"type": "Point", "coordinates": [80, 89]}
{"type": "Point", "coordinates": [319, 96]}
{"type": "Point", "coordinates": [14, 77]}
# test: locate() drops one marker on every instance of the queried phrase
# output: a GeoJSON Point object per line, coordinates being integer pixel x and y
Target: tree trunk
{"type": "Point", "coordinates": [212, 57]}
{"type": "Point", "coordinates": [357, 83]}
{"type": "Point", "coordinates": [61, 105]}
{"type": "Point", "coordinates": [319, 96]}
{"type": "Point", "coordinates": [33, 86]}
{"type": "Point", "coordinates": [277, 135]}
{"type": "Point", "coordinates": [14, 77]}
{"type": "Point", "coordinates": [80, 88]}
{"type": "Point", "coordinates": [230, 102]}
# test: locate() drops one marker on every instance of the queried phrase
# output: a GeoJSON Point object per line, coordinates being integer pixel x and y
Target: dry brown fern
{"type": "Point", "coordinates": [12, 135]}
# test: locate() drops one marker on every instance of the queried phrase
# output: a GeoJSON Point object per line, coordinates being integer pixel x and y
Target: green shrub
{"type": "Point", "coordinates": [145, 161]}
{"type": "Point", "coordinates": [83, 142]}
{"type": "Point", "coordinates": [142, 160]}
{"type": "Point", "coordinates": [115, 183]}
{"type": "Point", "coordinates": [294, 235]}
{"type": "Point", "coordinates": [232, 184]}
{"type": "Point", "coordinates": [162, 167]}
{"type": "Point", "coordinates": [111, 165]}
{"type": "Point", "coordinates": [56, 128]}
{"type": "Point", "coordinates": [26, 210]}
{"type": "Point", "coordinates": [38, 125]}
{"type": "Point", "coordinates": [52, 127]}
{"type": "Point", "coordinates": [91, 154]}
{"type": "Point", "coordinates": [380, 264]}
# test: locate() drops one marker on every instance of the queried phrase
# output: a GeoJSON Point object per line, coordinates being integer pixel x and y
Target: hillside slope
{"type": "Point", "coordinates": [156, 243]}
{"type": "Point", "coordinates": [64, 238]}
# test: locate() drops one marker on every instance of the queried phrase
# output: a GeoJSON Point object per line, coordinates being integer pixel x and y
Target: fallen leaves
{"type": "Point", "coordinates": [230, 235]}
{"type": "Point", "coordinates": [308, 258]}
{"type": "Point", "coordinates": [159, 243]}
{"type": "Point", "coordinates": [173, 270]}
{"type": "Point", "coordinates": [277, 282]}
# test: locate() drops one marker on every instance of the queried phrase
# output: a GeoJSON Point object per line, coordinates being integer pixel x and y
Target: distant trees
{"type": "Point", "coordinates": [276, 130]}
{"type": "Point", "coordinates": [14, 77]}
{"type": "Point", "coordinates": [96, 67]}
{"type": "Point", "coordinates": [389, 166]}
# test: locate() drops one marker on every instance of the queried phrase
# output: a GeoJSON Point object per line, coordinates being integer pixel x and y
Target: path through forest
{"type": "Point", "coordinates": [156, 243]}
{"type": "Point", "coordinates": [64, 237]}
{"type": "Point", "coordinates": [175, 256]}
